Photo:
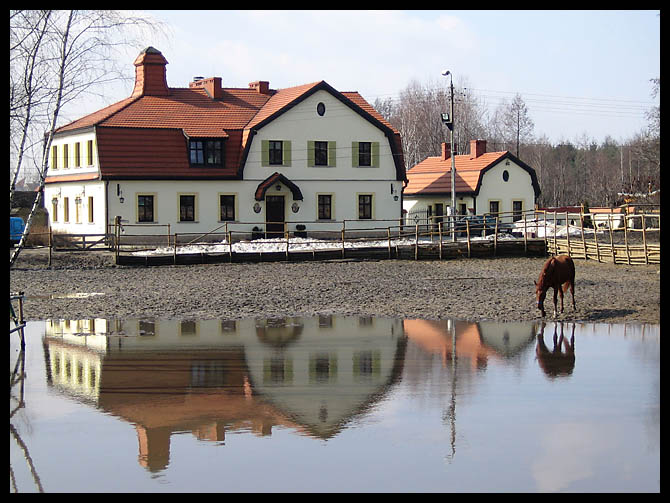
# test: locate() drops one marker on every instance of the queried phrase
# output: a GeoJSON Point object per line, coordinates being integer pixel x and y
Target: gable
{"type": "Point", "coordinates": [285, 100]}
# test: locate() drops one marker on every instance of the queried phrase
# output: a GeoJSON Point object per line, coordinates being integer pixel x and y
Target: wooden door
{"type": "Point", "coordinates": [274, 216]}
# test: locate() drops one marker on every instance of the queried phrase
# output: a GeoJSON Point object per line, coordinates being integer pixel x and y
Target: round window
{"type": "Point", "coordinates": [321, 109]}
{"type": "Point", "coordinates": [505, 175]}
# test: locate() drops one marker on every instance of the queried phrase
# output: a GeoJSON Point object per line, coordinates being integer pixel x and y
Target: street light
{"type": "Point", "coordinates": [449, 122]}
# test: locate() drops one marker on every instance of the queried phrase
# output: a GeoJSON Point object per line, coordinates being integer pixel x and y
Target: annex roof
{"type": "Point", "coordinates": [163, 117]}
{"type": "Point", "coordinates": [433, 174]}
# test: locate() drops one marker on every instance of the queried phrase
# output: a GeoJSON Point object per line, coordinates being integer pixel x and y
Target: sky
{"type": "Point", "coordinates": [579, 72]}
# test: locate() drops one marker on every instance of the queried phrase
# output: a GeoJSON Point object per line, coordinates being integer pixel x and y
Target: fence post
{"type": "Point", "coordinates": [595, 239]}
{"type": "Point", "coordinates": [609, 224]}
{"type": "Point", "coordinates": [286, 236]}
{"type": "Point", "coordinates": [625, 234]}
{"type": "Point", "coordinates": [581, 224]}
{"type": "Point", "coordinates": [495, 239]}
{"type": "Point", "coordinates": [555, 243]}
{"type": "Point", "coordinates": [50, 244]}
{"type": "Point", "coordinates": [344, 222]}
{"type": "Point", "coordinates": [439, 228]}
{"type": "Point", "coordinates": [525, 237]}
{"type": "Point", "coordinates": [567, 230]}
{"type": "Point", "coordinates": [388, 232]}
{"type": "Point", "coordinates": [644, 239]}
{"type": "Point", "coordinates": [467, 233]}
{"type": "Point", "coordinates": [117, 236]}
{"type": "Point", "coordinates": [174, 254]}
{"type": "Point", "coordinates": [416, 242]}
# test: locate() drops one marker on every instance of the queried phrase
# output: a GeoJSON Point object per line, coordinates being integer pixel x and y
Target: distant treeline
{"type": "Point", "coordinates": [581, 171]}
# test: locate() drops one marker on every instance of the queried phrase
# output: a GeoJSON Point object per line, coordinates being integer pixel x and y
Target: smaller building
{"type": "Point", "coordinates": [496, 183]}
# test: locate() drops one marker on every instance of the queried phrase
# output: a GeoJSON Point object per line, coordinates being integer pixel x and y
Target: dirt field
{"type": "Point", "coordinates": [468, 289]}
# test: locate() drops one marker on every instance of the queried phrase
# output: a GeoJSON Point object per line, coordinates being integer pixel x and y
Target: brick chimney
{"type": "Point", "coordinates": [212, 86]}
{"type": "Point", "coordinates": [477, 148]}
{"type": "Point", "coordinates": [446, 151]}
{"type": "Point", "coordinates": [150, 74]}
{"type": "Point", "coordinates": [261, 86]}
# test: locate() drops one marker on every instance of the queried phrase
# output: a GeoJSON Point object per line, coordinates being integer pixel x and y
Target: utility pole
{"type": "Point", "coordinates": [449, 122]}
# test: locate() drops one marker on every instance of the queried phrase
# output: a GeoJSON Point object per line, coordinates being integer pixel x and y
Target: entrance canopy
{"type": "Point", "coordinates": [275, 179]}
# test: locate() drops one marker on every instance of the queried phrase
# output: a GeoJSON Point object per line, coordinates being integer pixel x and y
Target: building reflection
{"type": "Point", "coordinates": [212, 377]}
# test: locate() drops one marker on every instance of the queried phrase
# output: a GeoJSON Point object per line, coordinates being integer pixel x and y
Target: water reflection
{"type": "Point", "coordinates": [373, 391]}
{"type": "Point", "coordinates": [560, 361]}
{"type": "Point", "coordinates": [212, 377]}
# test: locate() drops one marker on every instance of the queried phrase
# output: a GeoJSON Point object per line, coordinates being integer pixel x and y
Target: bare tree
{"type": "Point", "coordinates": [55, 58]}
{"type": "Point", "coordinates": [515, 125]}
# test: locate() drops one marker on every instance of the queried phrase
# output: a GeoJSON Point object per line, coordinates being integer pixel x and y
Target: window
{"type": "Point", "coordinates": [145, 208]}
{"type": "Point", "coordinates": [505, 176]}
{"type": "Point", "coordinates": [365, 206]}
{"type": "Point", "coordinates": [276, 152]}
{"type": "Point", "coordinates": [77, 154]}
{"type": "Point", "coordinates": [517, 209]}
{"type": "Point", "coordinates": [54, 157]}
{"type": "Point", "coordinates": [321, 153]}
{"type": "Point", "coordinates": [227, 207]}
{"type": "Point", "coordinates": [77, 209]}
{"type": "Point", "coordinates": [66, 209]}
{"type": "Point", "coordinates": [90, 209]}
{"type": "Point", "coordinates": [206, 152]}
{"type": "Point", "coordinates": [321, 109]}
{"type": "Point", "coordinates": [89, 152]}
{"type": "Point", "coordinates": [65, 157]}
{"type": "Point", "coordinates": [364, 153]}
{"type": "Point", "coordinates": [187, 208]}
{"type": "Point", "coordinates": [325, 206]}
{"type": "Point", "coordinates": [54, 210]}
{"type": "Point", "coordinates": [494, 207]}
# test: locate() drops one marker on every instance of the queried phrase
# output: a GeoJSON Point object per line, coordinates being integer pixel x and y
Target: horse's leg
{"type": "Point", "coordinates": [560, 291]}
{"type": "Point", "coordinates": [556, 289]}
{"type": "Point", "coordinates": [572, 291]}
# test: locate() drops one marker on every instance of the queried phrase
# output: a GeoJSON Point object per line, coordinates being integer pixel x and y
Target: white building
{"type": "Point", "coordinates": [486, 183]}
{"type": "Point", "coordinates": [201, 157]}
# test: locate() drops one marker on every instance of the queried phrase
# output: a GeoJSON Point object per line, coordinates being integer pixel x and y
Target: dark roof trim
{"type": "Point", "coordinates": [324, 86]}
{"type": "Point", "coordinates": [277, 178]}
{"type": "Point", "coordinates": [516, 160]}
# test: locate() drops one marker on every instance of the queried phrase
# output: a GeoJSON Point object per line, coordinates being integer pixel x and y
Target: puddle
{"type": "Point", "coordinates": [332, 404]}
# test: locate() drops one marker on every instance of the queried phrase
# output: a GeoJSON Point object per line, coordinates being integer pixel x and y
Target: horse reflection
{"type": "Point", "coordinates": [556, 363]}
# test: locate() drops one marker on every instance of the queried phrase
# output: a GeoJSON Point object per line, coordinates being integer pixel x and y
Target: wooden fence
{"type": "Point", "coordinates": [621, 239]}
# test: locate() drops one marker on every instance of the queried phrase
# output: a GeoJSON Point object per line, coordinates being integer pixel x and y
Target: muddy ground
{"type": "Point", "coordinates": [467, 289]}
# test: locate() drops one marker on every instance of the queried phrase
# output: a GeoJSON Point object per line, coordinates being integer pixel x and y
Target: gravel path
{"type": "Point", "coordinates": [467, 289]}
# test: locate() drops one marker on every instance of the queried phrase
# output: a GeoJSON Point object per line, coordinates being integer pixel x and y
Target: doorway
{"type": "Point", "coordinates": [274, 216]}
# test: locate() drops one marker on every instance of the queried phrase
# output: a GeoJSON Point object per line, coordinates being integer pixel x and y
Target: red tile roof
{"type": "Point", "coordinates": [433, 174]}
{"type": "Point", "coordinates": [156, 120]}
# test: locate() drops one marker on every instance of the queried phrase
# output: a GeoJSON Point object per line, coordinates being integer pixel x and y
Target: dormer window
{"type": "Point", "coordinates": [206, 152]}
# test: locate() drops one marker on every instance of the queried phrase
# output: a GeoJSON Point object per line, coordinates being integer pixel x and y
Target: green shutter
{"type": "Point", "coordinates": [375, 154]}
{"type": "Point", "coordinates": [265, 152]}
{"type": "Point", "coordinates": [354, 154]}
{"type": "Point", "coordinates": [310, 154]}
{"type": "Point", "coordinates": [332, 154]}
{"type": "Point", "coordinates": [286, 150]}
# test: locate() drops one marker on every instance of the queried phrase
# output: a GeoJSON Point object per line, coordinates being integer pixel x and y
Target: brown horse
{"type": "Point", "coordinates": [558, 273]}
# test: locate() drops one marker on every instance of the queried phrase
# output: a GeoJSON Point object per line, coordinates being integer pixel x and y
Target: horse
{"type": "Point", "coordinates": [558, 273]}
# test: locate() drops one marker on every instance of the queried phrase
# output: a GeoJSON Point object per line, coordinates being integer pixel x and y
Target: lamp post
{"type": "Point", "coordinates": [449, 122]}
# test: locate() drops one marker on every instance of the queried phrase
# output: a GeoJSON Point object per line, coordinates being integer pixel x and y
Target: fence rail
{"type": "Point", "coordinates": [605, 237]}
